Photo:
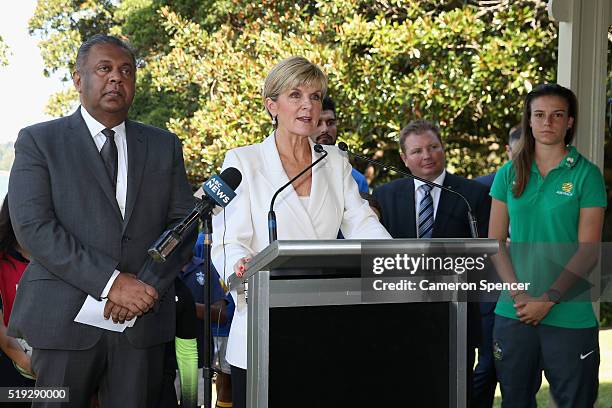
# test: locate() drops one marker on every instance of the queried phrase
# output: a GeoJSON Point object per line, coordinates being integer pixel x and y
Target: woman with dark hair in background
{"type": "Point", "coordinates": [553, 199]}
{"type": "Point", "coordinates": [15, 367]}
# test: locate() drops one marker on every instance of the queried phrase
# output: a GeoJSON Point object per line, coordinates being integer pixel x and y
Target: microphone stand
{"type": "Point", "coordinates": [471, 219]}
{"type": "Point", "coordinates": [207, 371]}
{"type": "Point", "coordinates": [272, 227]}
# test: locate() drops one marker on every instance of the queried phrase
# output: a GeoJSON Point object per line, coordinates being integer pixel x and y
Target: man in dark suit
{"type": "Point", "coordinates": [411, 209]}
{"type": "Point", "coordinates": [89, 193]}
{"type": "Point", "coordinates": [422, 152]}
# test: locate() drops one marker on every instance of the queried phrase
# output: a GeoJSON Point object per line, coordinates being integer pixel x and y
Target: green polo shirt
{"type": "Point", "coordinates": [544, 227]}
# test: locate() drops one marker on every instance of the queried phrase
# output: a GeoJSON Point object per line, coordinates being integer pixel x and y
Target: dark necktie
{"type": "Point", "coordinates": [426, 217]}
{"type": "Point", "coordinates": [110, 156]}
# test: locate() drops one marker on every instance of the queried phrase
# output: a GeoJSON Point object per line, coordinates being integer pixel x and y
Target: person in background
{"type": "Point", "coordinates": [316, 206]}
{"type": "Point", "coordinates": [327, 134]}
{"type": "Point", "coordinates": [15, 366]}
{"type": "Point", "coordinates": [222, 311]}
{"type": "Point", "coordinates": [181, 354]}
{"type": "Point", "coordinates": [548, 194]}
{"type": "Point", "coordinates": [513, 137]}
{"type": "Point", "coordinates": [413, 209]}
{"type": "Point", "coordinates": [485, 378]}
{"type": "Point", "coordinates": [88, 194]}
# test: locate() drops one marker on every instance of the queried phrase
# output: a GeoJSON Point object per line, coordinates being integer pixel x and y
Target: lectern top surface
{"type": "Point", "coordinates": [345, 254]}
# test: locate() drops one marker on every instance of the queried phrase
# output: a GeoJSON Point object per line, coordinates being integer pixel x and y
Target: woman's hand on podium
{"type": "Point", "coordinates": [241, 266]}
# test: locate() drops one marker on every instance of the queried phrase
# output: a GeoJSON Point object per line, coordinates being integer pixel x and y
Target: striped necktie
{"type": "Point", "coordinates": [426, 213]}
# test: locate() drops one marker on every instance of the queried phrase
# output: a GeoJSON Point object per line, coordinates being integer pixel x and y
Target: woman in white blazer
{"type": "Point", "coordinates": [316, 206]}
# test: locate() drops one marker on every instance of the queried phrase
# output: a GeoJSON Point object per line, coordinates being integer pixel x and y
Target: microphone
{"type": "Point", "coordinates": [272, 230]}
{"type": "Point", "coordinates": [471, 219]}
{"type": "Point", "coordinates": [218, 191]}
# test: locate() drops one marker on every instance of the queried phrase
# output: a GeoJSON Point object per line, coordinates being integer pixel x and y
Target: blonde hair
{"type": "Point", "coordinates": [291, 73]}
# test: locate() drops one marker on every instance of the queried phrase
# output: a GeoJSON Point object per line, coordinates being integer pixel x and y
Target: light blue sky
{"type": "Point", "coordinates": [25, 90]}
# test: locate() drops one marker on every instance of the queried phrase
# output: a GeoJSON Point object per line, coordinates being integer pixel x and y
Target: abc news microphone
{"type": "Point", "coordinates": [218, 191]}
{"type": "Point", "coordinates": [471, 219]}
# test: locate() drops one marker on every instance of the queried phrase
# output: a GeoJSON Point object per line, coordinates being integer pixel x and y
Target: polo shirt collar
{"type": "Point", "coordinates": [571, 158]}
{"type": "Point", "coordinates": [568, 162]}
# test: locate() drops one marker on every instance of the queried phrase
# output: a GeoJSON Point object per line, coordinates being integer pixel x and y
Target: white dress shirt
{"type": "Point", "coordinates": [96, 128]}
{"type": "Point", "coordinates": [419, 193]}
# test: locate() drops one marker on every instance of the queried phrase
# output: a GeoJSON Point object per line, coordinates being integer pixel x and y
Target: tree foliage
{"type": "Point", "coordinates": [7, 155]}
{"type": "Point", "coordinates": [462, 64]}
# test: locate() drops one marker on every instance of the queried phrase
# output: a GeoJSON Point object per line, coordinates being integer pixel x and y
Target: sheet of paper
{"type": "Point", "coordinates": [92, 313]}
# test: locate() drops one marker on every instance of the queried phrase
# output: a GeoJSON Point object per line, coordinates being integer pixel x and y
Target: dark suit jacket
{"type": "Point", "coordinates": [398, 213]}
{"type": "Point", "coordinates": [64, 212]}
{"type": "Point", "coordinates": [398, 209]}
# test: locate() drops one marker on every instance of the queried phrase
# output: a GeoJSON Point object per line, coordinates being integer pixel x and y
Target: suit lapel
{"type": "Point", "coordinates": [274, 174]}
{"type": "Point", "coordinates": [87, 157]}
{"type": "Point", "coordinates": [320, 183]}
{"type": "Point", "coordinates": [137, 153]}
{"type": "Point", "coordinates": [405, 209]}
{"type": "Point", "coordinates": [446, 206]}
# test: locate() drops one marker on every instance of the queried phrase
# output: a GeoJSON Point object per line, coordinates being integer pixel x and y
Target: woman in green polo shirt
{"type": "Point", "coordinates": [551, 198]}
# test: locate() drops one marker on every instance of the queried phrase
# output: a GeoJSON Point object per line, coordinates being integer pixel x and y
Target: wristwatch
{"type": "Point", "coordinates": [554, 296]}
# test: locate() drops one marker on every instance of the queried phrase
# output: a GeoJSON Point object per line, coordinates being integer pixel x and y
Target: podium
{"type": "Point", "coordinates": [314, 341]}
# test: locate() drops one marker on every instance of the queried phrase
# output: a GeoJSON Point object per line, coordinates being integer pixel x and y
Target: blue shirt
{"type": "Point", "coordinates": [193, 276]}
{"type": "Point", "coordinates": [361, 181]}
{"type": "Point", "coordinates": [198, 249]}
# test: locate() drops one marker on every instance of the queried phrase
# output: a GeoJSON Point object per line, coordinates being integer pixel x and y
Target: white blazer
{"type": "Point", "coordinates": [334, 205]}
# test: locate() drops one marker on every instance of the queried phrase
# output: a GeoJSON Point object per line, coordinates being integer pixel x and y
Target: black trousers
{"type": "Point", "coordinates": [10, 377]}
{"type": "Point", "coordinates": [238, 387]}
{"type": "Point", "coordinates": [568, 357]}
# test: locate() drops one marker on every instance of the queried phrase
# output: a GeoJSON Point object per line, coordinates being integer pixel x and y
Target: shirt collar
{"type": "Point", "coordinates": [571, 158]}
{"type": "Point", "coordinates": [96, 127]}
{"type": "Point", "coordinates": [568, 161]}
{"type": "Point", "coordinates": [437, 180]}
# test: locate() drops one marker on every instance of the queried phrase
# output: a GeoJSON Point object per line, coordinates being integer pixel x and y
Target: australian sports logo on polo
{"type": "Point", "coordinates": [200, 278]}
{"type": "Point", "coordinates": [567, 189]}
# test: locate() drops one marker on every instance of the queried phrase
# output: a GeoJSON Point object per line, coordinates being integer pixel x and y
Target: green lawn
{"type": "Point", "coordinates": [605, 376]}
